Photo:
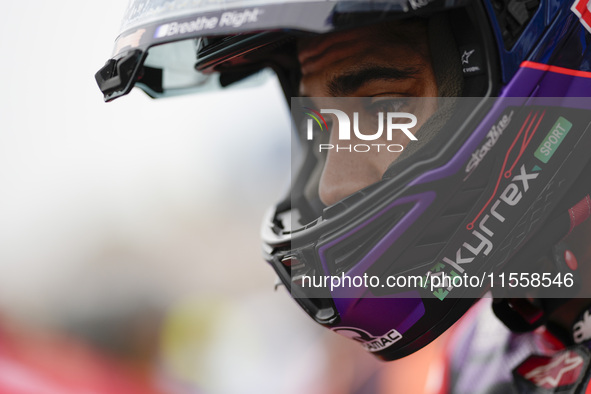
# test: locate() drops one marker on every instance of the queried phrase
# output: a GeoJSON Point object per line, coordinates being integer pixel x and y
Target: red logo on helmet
{"type": "Point", "coordinates": [582, 8]}
{"type": "Point", "coordinates": [562, 369]}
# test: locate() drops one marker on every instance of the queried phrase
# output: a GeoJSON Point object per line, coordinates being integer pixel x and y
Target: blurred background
{"type": "Point", "coordinates": [129, 232]}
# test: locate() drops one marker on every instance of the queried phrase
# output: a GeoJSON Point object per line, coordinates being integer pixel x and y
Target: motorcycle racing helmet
{"type": "Point", "coordinates": [488, 185]}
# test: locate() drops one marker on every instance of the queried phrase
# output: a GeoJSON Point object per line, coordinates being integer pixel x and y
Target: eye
{"type": "Point", "coordinates": [387, 104]}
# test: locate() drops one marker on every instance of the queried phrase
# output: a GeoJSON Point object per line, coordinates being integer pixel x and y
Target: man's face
{"type": "Point", "coordinates": [371, 62]}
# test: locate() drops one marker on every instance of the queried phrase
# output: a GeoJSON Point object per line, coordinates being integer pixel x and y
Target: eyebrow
{"type": "Point", "coordinates": [349, 82]}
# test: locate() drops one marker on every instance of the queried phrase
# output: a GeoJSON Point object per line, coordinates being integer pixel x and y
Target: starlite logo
{"type": "Point", "coordinates": [343, 127]}
{"type": "Point", "coordinates": [492, 137]}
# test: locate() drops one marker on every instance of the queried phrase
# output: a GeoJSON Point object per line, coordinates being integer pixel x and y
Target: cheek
{"type": "Point", "coordinates": [347, 172]}
{"type": "Point", "coordinates": [367, 158]}
{"type": "Point", "coordinates": [424, 108]}
{"type": "Point", "coordinates": [387, 158]}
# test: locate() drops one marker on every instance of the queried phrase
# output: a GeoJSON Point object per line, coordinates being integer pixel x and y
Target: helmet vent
{"type": "Point", "coordinates": [345, 255]}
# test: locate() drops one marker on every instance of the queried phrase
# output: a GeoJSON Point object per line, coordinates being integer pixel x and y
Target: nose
{"type": "Point", "coordinates": [347, 170]}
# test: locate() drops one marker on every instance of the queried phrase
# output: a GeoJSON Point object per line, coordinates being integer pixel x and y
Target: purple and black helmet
{"type": "Point", "coordinates": [498, 177]}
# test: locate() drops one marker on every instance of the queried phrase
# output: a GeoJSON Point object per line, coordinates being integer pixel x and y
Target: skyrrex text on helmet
{"type": "Point", "coordinates": [482, 241]}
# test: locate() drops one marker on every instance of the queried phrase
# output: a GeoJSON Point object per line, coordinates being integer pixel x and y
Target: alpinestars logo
{"type": "Point", "coordinates": [466, 56]}
{"type": "Point", "coordinates": [368, 341]}
{"type": "Point", "coordinates": [560, 370]}
{"type": "Point", "coordinates": [344, 130]}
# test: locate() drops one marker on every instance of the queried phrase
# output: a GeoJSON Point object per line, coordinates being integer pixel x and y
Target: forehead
{"type": "Point", "coordinates": [393, 44]}
{"type": "Point", "coordinates": [388, 33]}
